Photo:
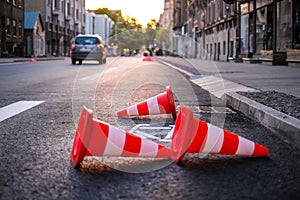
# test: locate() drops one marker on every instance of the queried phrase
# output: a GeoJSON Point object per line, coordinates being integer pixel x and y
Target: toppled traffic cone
{"type": "Point", "coordinates": [147, 58]}
{"type": "Point", "coordinates": [192, 135]}
{"type": "Point", "coordinates": [97, 138]}
{"type": "Point", "coordinates": [160, 104]}
{"type": "Point", "coordinates": [32, 60]}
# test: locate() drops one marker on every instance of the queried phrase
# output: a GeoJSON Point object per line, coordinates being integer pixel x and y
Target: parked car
{"type": "Point", "coordinates": [87, 47]}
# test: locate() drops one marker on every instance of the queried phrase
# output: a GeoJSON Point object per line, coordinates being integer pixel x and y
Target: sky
{"type": "Point", "coordinates": [141, 10]}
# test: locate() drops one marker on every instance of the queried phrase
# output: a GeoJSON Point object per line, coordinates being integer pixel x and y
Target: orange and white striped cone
{"type": "Point", "coordinates": [192, 135]}
{"type": "Point", "coordinates": [32, 60]}
{"type": "Point", "coordinates": [97, 138]}
{"type": "Point", "coordinates": [160, 104]}
{"type": "Point", "coordinates": [147, 58]}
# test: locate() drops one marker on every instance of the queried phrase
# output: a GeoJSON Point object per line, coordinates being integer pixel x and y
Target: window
{"type": "Point", "coordinates": [244, 33]}
{"type": "Point", "coordinates": [14, 28]}
{"type": "Point", "coordinates": [68, 9]}
{"type": "Point", "coordinates": [56, 4]}
{"type": "Point", "coordinates": [8, 26]}
{"type": "Point", "coordinates": [296, 25]}
{"type": "Point", "coordinates": [20, 3]}
{"type": "Point", "coordinates": [20, 29]}
{"type": "Point", "coordinates": [264, 29]}
{"type": "Point", "coordinates": [260, 3]}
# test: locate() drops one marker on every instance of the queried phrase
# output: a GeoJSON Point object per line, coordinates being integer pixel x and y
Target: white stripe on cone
{"type": "Point", "coordinates": [148, 149]}
{"type": "Point", "coordinates": [214, 140]}
{"type": "Point", "coordinates": [245, 147]}
{"type": "Point", "coordinates": [132, 110]}
{"type": "Point", "coordinates": [153, 106]}
{"type": "Point", "coordinates": [115, 142]}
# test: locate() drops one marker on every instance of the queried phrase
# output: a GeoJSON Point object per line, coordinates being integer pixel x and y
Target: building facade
{"type": "Point", "coordinates": [240, 29]}
{"type": "Point", "coordinates": [11, 28]}
{"type": "Point", "coordinates": [99, 24]}
{"type": "Point", "coordinates": [34, 34]}
{"type": "Point", "coordinates": [64, 19]}
{"type": "Point", "coordinates": [166, 18]}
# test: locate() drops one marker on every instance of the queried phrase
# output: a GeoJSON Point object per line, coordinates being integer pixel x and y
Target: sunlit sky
{"type": "Point", "coordinates": [142, 10]}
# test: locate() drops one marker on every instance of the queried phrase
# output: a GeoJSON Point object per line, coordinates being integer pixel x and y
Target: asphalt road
{"type": "Point", "coordinates": [36, 144]}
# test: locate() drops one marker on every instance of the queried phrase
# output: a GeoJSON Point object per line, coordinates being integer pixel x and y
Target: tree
{"type": "Point", "coordinates": [115, 15]}
{"type": "Point", "coordinates": [153, 24]}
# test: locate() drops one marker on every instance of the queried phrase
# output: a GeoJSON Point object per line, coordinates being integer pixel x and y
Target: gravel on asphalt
{"type": "Point", "coordinates": [279, 101]}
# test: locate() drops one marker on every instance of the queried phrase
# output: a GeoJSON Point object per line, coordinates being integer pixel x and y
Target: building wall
{"type": "Point", "coordinates": [222, 34]}
{"type": "Point", "coordinates": [11, 29]}
{"type": "Point", "coordinates": [99, 24]}
{"type": "Point", "coordinates": [89, 22]}
{"type": "Point", "coordinates": [64, 19]}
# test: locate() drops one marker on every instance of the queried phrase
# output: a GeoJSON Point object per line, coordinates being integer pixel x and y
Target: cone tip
{"type": "Point", "coordinates": [122, 113]}
{"type": "Point", "coordinates": [260, 151]}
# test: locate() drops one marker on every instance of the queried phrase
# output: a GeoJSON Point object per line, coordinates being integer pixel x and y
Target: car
{"type": "Point", "coordinates": [88, 47]}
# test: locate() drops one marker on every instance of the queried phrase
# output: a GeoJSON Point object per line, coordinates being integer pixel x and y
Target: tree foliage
{"type": "Point", "coordinates": [128, 31]}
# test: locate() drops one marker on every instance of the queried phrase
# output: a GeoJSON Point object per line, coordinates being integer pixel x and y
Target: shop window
{"type": "Point", "coordinates": [264, 29]}
{"type": "Point", "coordinates": [261, 3]}
{"type": "Point", "coordinates": [251, 34]}
{"type": "Point", "coordinates": [244, 8]}
{"type": "Point", "coordinates": [284, 25]}
{"type": "Point", "coordinates": [251, 6]}
{"type": "Point", "coordinates": [244, 34]}
{"type": "Point", "coordinates": [296, 25]}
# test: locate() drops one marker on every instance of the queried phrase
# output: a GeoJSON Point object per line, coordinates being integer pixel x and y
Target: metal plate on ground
{"type": "Point", "coordinates": [160, 133]}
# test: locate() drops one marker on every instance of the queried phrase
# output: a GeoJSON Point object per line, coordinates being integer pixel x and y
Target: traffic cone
{"type": "Point", "coordinates": [97, 138]}
{"type": "Point", "coordinates": [160, 104]}
{"type": "Point", "coordinates": [147, 58]}
{"type": "Point", "coordinates": [32, 60]}
{"type": "Point", "coordinates": [192, 135]}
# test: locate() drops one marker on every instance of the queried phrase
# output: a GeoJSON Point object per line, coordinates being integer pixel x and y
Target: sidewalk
{"type": "Point", "coordinates": [268, 94]}
{"type": "Point", "coordinates": [12, 60]}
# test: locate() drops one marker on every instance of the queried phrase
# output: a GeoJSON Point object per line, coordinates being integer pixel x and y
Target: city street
{"type": "Point", "coordinates": [36, 142]}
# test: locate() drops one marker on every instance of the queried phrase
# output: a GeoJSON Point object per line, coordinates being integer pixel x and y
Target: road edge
{"type": "Point", "coordinates": [285, 125]}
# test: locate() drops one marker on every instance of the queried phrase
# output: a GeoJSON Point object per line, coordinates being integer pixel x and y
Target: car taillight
{"type": "Point", "coordinates": [73, 46]}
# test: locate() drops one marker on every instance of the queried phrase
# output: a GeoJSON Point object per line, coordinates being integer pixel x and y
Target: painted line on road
{"type": "Point", "coordinates": [17, 108]}
{"type": "Point", "coordinates": [107, 70]}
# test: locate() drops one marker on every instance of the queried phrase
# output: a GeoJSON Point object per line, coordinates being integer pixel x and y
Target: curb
{"type": "Point", "coordinates": [176, 68]}
{"type": "Point", "coordinates": [27, 60]}
{"type": "Point", "coordinates": [287, 126]}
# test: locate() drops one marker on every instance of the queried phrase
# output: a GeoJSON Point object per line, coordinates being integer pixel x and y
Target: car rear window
{"type": "Point", "coordinates": [86, 40]}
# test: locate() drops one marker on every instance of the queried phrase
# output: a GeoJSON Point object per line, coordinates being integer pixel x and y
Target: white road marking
{"type": "Point", "coordinates": [17, 108]}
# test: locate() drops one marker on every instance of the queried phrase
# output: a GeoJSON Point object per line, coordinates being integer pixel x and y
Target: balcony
{"type": "Point", "coordinates": [77, 22]}
{"type": "Point", "coordinates": [56, 12]}
{"type": "Point", "coordinates": [68, 17]}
